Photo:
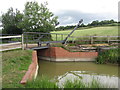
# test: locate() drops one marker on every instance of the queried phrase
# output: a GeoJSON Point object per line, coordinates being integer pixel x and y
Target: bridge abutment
{"type": "Point", "coordinates": [60, 54]}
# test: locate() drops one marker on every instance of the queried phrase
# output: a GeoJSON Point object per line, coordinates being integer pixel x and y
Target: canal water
{"type": "Point", "coordinates": [85, 71]}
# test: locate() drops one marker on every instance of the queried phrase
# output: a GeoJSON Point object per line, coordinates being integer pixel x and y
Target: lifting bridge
{"type": "Point", "coordinates": [39, 38]}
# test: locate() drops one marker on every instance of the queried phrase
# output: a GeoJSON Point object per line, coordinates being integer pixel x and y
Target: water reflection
{"type": "Point", "coordinates": [87, 77]}
{"type": "Point", "coordinates": [86, 71]}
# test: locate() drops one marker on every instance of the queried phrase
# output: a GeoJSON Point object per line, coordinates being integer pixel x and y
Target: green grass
{"type": "Point", "coordinates": [80, 84]}
{"type": "Point", "coordinates": [95, 31]}
{"type": "Point", "coordinates": [104, 31]}
{"type": "Point", "coordinates": [14, 66]}
{"type": "Point", "coordinates": [109, 56]}
{"type": "Point", "coordinates": [45, 82]}
{"type": "Point", "coordinates": [41, 82]}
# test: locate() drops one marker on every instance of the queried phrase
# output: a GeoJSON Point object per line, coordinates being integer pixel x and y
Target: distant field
{"type": "Point", "coordinates": [96, 31]}
{"type": "Point", "coordinates": [99, 31]}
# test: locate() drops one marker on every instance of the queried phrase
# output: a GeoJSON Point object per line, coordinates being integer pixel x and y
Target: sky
{"type": "Point", "coordinates": [71, 11]}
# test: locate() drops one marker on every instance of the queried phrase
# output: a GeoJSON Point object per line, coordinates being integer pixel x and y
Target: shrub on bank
{"type": "Point", "coordinates": [109, 56]}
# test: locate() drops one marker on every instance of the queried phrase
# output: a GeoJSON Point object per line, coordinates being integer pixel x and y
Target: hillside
{"type": "Point", "coordinates": [99, 31]}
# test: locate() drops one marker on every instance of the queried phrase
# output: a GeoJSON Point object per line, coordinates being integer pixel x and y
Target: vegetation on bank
{"type": "Point", "coordinates": [80, 84]}
{"type": "Point", "coordinates": [45, 82]}
{"type": "Point", "coordinates": [14, 66]}
{"type": "Point", "coordinates": [109, 56]}
{"type": "Point", "coordinates": [41, 82]}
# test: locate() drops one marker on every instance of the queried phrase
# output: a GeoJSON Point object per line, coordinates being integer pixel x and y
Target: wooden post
{"type": "Point", "coordinates": [72, 40]}
{"type": "Point", "coordinates": [26, 40]}
{"type": "Point", "coordinates": [56, 37]}
{"type": "Point", "coordinates": [108, 39]}
{"type": "Point", "coordinates": [22, 41]}
{"type": "Point", "coordinates": [61, 37]}
{"type": "Point", "coordinates": [91, 39]}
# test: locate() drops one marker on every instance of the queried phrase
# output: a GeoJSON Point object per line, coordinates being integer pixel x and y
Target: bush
{"type": "Point", "coordinates": [109, 56]}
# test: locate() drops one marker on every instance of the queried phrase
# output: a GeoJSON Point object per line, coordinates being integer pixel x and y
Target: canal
{"type": "Point", "coordinates": [107, 74]}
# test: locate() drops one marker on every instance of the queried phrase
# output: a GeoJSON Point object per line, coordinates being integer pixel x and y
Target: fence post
{"type": "Point", "coordinates": [56, 37]}
{"type": "Point", "coordinates": [73, 40]}
{"type": "Point", "coordinates": [26, 40]}
{"type": "Point", "coordinates": [108, 39]}
{"type": "Point", "coordinates": [22, 41]}
{"type": "Point", "coordinates": [61, 37]}
{"type": "Point", "coordinates": [91, 39]}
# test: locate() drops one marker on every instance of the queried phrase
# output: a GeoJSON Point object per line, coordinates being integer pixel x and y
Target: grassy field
{"type": "Point", "coordinates": [14, 66]}
{"type": "Point", "coordinates": [104, 31]}
{"type": "Point", "coordinates": [95, 31]}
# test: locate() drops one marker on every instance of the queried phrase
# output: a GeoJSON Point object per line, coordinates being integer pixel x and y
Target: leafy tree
{"type": "Point", "coordinates": [38, 18]}
{"type": "Point", "coordinates": [11, 21]}
{"type": "Point", "coordinates": [95, 23]}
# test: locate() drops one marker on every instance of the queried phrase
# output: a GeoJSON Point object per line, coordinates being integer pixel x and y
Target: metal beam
{"type": "Point", "coordinates": [65, 40]}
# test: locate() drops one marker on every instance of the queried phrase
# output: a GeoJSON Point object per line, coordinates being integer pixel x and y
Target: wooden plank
{"type": "Point", "coordinates": [10, 44]}
{"type": "Point", "coordinates": [10, 36]}
{"type": "Point", "coordinates": [9, 49]}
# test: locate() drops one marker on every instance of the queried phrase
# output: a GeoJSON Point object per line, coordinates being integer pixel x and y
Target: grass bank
{"type": "Point", "coordinates": [109, 56]}
{"type": "Point", "coordinates": [14, 66]}
{"type": "Point", "coordinates": [45, 82]}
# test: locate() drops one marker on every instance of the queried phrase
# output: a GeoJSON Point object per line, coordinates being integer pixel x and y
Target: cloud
{"type": "Point", "coordinates": [68, 17]}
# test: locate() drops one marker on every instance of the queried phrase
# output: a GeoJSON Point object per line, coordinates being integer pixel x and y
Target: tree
{"type": "Point", "coordinates": [82, 25]}
{"type": "Point", "coordinates": [11, 21]}
{"type": "Point", "coordinates": [95, 23]}
{"type": "Point", "coordinates": [38, 18]}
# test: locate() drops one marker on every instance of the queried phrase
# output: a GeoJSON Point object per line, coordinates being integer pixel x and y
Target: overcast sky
{"type": "Point", "coordinates": [71, 11]}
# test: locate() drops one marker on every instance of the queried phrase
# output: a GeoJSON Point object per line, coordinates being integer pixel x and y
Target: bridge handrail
{"type": "Point", "coordinates": [43, 33]}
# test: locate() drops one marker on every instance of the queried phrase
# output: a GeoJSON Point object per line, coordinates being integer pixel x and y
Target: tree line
{"type": "Point", "coordinates": [92, 24]}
